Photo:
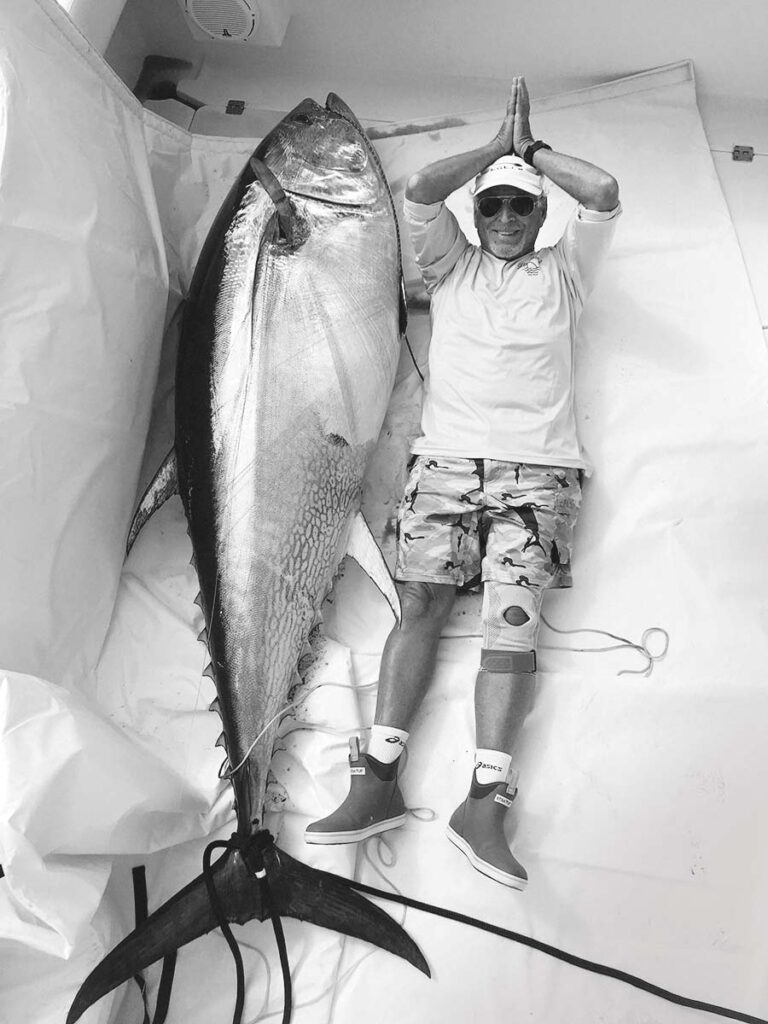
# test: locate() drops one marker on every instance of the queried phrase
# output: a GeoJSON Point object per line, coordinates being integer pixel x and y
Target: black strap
{"type": "Point", "coordinates": [276, 193]}
{"type": "Point", "coordinates": [559, 954]}
{"type": "Point", "coordinates": [140, 910]}
{"type": "Point", "coordinates": [165, 988]}
{"type": "Point", "coordinates": [533, 149]}
{"type": "Point", "coordinates": [277, 925]}
{"type": "Point", "coordinates": [251, 849]}
{"type": "Point", "coordinates": [224, 925]}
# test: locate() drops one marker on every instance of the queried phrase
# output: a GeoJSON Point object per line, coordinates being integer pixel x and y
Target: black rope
{"type": "Point", "coordinates": [282, 949]}
{"type": "Point", "coordinates": [569, 958]}
{"type": "Point", "coordinates": [165, 988]}
{"type": "Point", "coordinates": [224, 925]}
{"type": "Point", "coordinates": [251, 848]}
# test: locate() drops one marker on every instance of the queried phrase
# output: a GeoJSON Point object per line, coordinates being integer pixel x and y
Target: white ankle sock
{"type": "Point", "coordinates": [491, 766]}
{"type": "Point", "coordinates": [386, 744]}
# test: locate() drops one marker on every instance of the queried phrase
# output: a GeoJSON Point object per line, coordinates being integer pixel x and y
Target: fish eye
{"type": "Point", "coordinates": [356, 157]}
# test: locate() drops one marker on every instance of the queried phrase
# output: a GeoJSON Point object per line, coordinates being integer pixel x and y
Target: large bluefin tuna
{"type": "Point", "coordinates": [289, 345]}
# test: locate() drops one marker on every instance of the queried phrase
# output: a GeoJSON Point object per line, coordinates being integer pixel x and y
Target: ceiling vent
{"type": "Point", "coordinates": [262, 22]}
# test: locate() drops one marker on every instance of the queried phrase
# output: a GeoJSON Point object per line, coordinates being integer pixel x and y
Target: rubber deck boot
{"type": "Point", "coordinates": [477, 828]}
{"type": "Point", "coordinates": [374, 803]}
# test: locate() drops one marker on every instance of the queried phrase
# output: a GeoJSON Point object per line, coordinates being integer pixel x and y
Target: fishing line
{"type": "Point", "coordinates": [622, 643]}
{"type": "Point", "coordinates": [283, 711]}
{"type": "Point", "coordinates": [413, 357]}
{"type": "Point", "coordinates": [641, 648]}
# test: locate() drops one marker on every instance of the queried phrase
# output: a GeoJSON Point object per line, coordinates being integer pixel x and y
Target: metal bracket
{"type": "Point", "coordinates": [744, 153]}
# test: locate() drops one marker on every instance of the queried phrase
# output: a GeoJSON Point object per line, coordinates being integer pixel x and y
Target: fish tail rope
{"type": "Point", "coordinates": [251, 849]}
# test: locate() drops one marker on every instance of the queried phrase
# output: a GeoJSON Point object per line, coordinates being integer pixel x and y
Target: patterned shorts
{"type": "Point", "coordinates": [466, 520]}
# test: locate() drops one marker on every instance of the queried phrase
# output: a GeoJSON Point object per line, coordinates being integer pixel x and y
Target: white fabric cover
{"type": "Point", "coordinates": [640, 817]}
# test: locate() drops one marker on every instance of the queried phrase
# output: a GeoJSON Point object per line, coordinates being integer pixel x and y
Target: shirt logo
{"type": "Point", "coordinates": [533, 266]}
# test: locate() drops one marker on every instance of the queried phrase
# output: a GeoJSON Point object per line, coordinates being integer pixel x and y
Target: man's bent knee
{"type": "Point", "coordinates": [510, 627]}
{"type": "Point", "coordinates": [423, 601]}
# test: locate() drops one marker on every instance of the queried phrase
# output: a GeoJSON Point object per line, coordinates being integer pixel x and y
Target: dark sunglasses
{"type": "Point", "coordinates": [521, 205]}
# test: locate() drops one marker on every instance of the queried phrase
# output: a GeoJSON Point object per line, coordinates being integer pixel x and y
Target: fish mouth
{"type": "Point", "coordinates": [294, 890]}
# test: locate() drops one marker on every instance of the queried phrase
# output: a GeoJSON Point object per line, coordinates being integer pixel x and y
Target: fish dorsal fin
{"type": "Point", "coordinates": [362, 546]}
{"type": "Point", "coordinates": [164, 485]}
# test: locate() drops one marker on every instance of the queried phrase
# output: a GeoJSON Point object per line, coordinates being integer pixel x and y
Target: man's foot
{"type": "Point", "coordinates": [477, 828]}
{"type": "Point", "coordinates": [374, 803]}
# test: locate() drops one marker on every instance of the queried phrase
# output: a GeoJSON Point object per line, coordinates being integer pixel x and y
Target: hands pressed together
{"type": "Point", "coordinates": [514, 136]}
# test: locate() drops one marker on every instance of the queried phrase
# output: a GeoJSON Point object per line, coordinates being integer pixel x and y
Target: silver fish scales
{"type": "Point", "coordinates": [289, 346]}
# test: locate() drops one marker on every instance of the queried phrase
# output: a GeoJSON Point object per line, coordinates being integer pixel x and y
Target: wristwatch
{"type": "Point", "coordinates": [534, 148]}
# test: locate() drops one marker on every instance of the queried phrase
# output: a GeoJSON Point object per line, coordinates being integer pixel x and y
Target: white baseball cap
{"type": "Point", "coordinates": [509, 170]}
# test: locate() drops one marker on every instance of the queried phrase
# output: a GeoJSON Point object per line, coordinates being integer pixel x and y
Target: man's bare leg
{"type": "Point", "coordinates": [374, 803]}
{"type": "Point", "coordinates": [502, 702]}
{"type": "Point", "coordinates": [408, 661]}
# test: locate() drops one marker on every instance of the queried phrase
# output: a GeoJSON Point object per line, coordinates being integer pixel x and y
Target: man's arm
{"type": "Point", "coordinates": [435, 182]}
{"type": "Point", "coordinates": [593, 187]}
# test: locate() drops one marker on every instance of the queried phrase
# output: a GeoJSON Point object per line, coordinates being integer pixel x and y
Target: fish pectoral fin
{"type": "Point", "coordinates": [295, 890]}
{"type": "Point", "coordinates": [362, 546]}
{"type": "Point", "coordinates": [164, 485]}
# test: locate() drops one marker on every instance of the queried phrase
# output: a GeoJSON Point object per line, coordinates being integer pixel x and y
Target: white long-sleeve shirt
{"type": "Point", "coordinates": [500, 382]}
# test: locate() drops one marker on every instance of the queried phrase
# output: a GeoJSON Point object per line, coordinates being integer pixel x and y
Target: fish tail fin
{"type": "Point", "coordinates": [295, 890]}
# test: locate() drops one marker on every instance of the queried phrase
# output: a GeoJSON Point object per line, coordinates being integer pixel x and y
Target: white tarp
{"type": "Point", "coordinates": [640, 817]}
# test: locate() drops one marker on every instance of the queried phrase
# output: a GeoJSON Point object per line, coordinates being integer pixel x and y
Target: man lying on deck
{"type": "Point", "coordinates": [495, 478]}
